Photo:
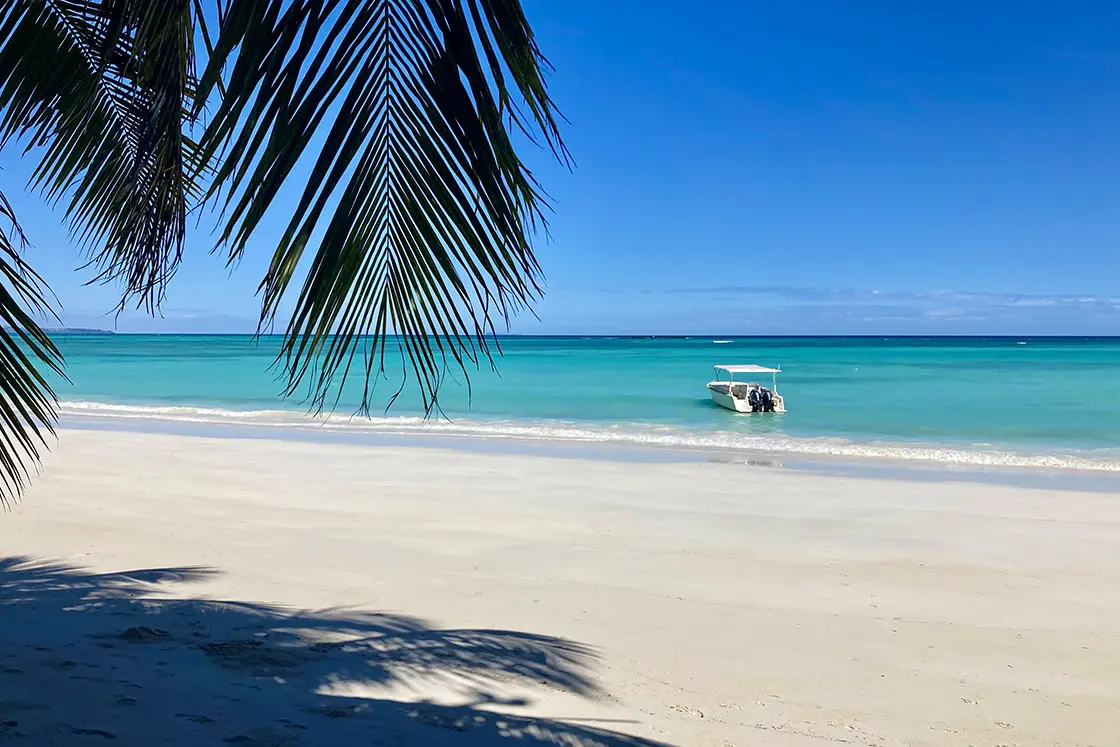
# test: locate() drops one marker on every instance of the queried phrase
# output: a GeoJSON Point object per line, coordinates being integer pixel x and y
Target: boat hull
{"type": "Point", "coordinates": [742, 406]}
{"type": "Point", "coordinates": [725, 400]}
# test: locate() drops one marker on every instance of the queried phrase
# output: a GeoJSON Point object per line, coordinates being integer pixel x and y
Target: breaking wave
{"type": "Point", "coordinates": [633, 434]}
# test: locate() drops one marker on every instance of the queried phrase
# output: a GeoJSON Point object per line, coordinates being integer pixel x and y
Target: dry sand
{"type": "Point", "coordinates": [188, 591]}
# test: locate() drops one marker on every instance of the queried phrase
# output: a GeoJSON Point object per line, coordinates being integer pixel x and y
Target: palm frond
{"type": "Point", "coordinates": [27, 403]}
{"type": "Point", "coordinates": [418, 210]}
{"type": "Point", "coordinates": [101, 90]}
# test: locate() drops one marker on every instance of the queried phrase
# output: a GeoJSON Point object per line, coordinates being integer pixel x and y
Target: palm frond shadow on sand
{"type": "Point", "coordinates": [77, 648]}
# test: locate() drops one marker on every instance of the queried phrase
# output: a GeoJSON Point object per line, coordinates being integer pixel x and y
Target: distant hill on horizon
{"type": "Point", "coordinates": [70, 331]}
{"type": "Point", "coordinates": [79, 331]}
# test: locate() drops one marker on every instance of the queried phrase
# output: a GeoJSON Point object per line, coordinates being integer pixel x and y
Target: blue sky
{"type": "Point", "coordinates": [787, 167]}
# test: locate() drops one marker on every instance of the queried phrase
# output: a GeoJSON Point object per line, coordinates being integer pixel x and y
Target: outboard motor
{"type": "Point", "coordinates": [767, 399]}
{"type": "Point", "coordinates": [755, 399]}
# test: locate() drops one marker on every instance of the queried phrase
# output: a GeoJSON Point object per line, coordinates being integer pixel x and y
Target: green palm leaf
{"type": "Point", "coordinates": [27, 403]}
{"type": "Point", "coordinates": [418, 211]}
{"type": "Point", "coordinates": [100, 91]}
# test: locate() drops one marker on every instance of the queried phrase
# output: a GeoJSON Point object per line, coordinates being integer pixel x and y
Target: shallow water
{"type": "Point", "coordinates": [983, 401]}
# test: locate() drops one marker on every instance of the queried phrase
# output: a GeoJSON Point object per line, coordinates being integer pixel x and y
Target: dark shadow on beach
{"type": "Point", "coordinates": [88, 658]}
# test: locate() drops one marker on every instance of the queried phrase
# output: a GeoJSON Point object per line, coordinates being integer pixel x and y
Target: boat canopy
{"type": "Point", "coordinates": [748, 369]}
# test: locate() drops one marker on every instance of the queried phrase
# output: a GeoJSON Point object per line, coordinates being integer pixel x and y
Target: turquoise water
{"type": "Point", "coordinates": [1021, 401]}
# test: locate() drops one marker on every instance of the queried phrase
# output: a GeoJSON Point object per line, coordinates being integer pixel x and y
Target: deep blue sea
{"type": "Point", "coordinates": [982, 401]}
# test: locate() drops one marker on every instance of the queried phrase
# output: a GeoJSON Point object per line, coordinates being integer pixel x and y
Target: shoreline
{"type": "Point", "coordinates": [1043, 477]}
{"type": "Point", "coordinates": [277, 592]}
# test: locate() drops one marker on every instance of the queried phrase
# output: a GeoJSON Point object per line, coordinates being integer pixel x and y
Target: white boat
{"type": "Point", "coordinates": [750, 396]}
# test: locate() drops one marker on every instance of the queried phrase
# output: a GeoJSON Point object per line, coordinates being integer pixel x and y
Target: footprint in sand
{"type": "Point", "coordinates": [263, 737]}
{"type": "Point", "coordinates": [446, 721]}
{"type": "Point", "coordinates": [143, 634]}
{"type": "Point", "coordinates": [687, 711]}
{"type": "Point", "coordinates": [258, 657]}
{"type": "Point", "coordinates": [290, 724]}
{"type": "Point", "coordinates": [93, 733]}
{"type": "Point", "coordinates": [340, 711]}
{"type": "Point", "coordinates": [195, 718]}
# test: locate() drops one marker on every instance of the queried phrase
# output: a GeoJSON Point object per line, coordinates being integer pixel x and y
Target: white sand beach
{"type": "Point", "coordinates": [172, 590]}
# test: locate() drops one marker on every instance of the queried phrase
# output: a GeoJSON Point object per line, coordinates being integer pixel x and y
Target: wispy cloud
{"type": "Point", "coordinates": [856, 295]}
{"type": "Point", "coordinates": [789, 309]}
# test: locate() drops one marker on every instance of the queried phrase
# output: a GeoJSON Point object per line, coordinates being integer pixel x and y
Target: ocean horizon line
{"type": "Point", "coordinates": [714, 336]}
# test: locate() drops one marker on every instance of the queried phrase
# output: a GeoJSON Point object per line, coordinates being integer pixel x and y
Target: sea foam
{"type": "Point", "coordinates": [633, 434]}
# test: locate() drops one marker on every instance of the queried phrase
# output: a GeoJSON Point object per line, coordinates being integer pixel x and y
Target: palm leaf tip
{"type": "Point", "coordinates": [27, 402]}
{"type": "Point", "coordinates": [102, 88]}
{"type": "Point", "coordinates": [418, 211]}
